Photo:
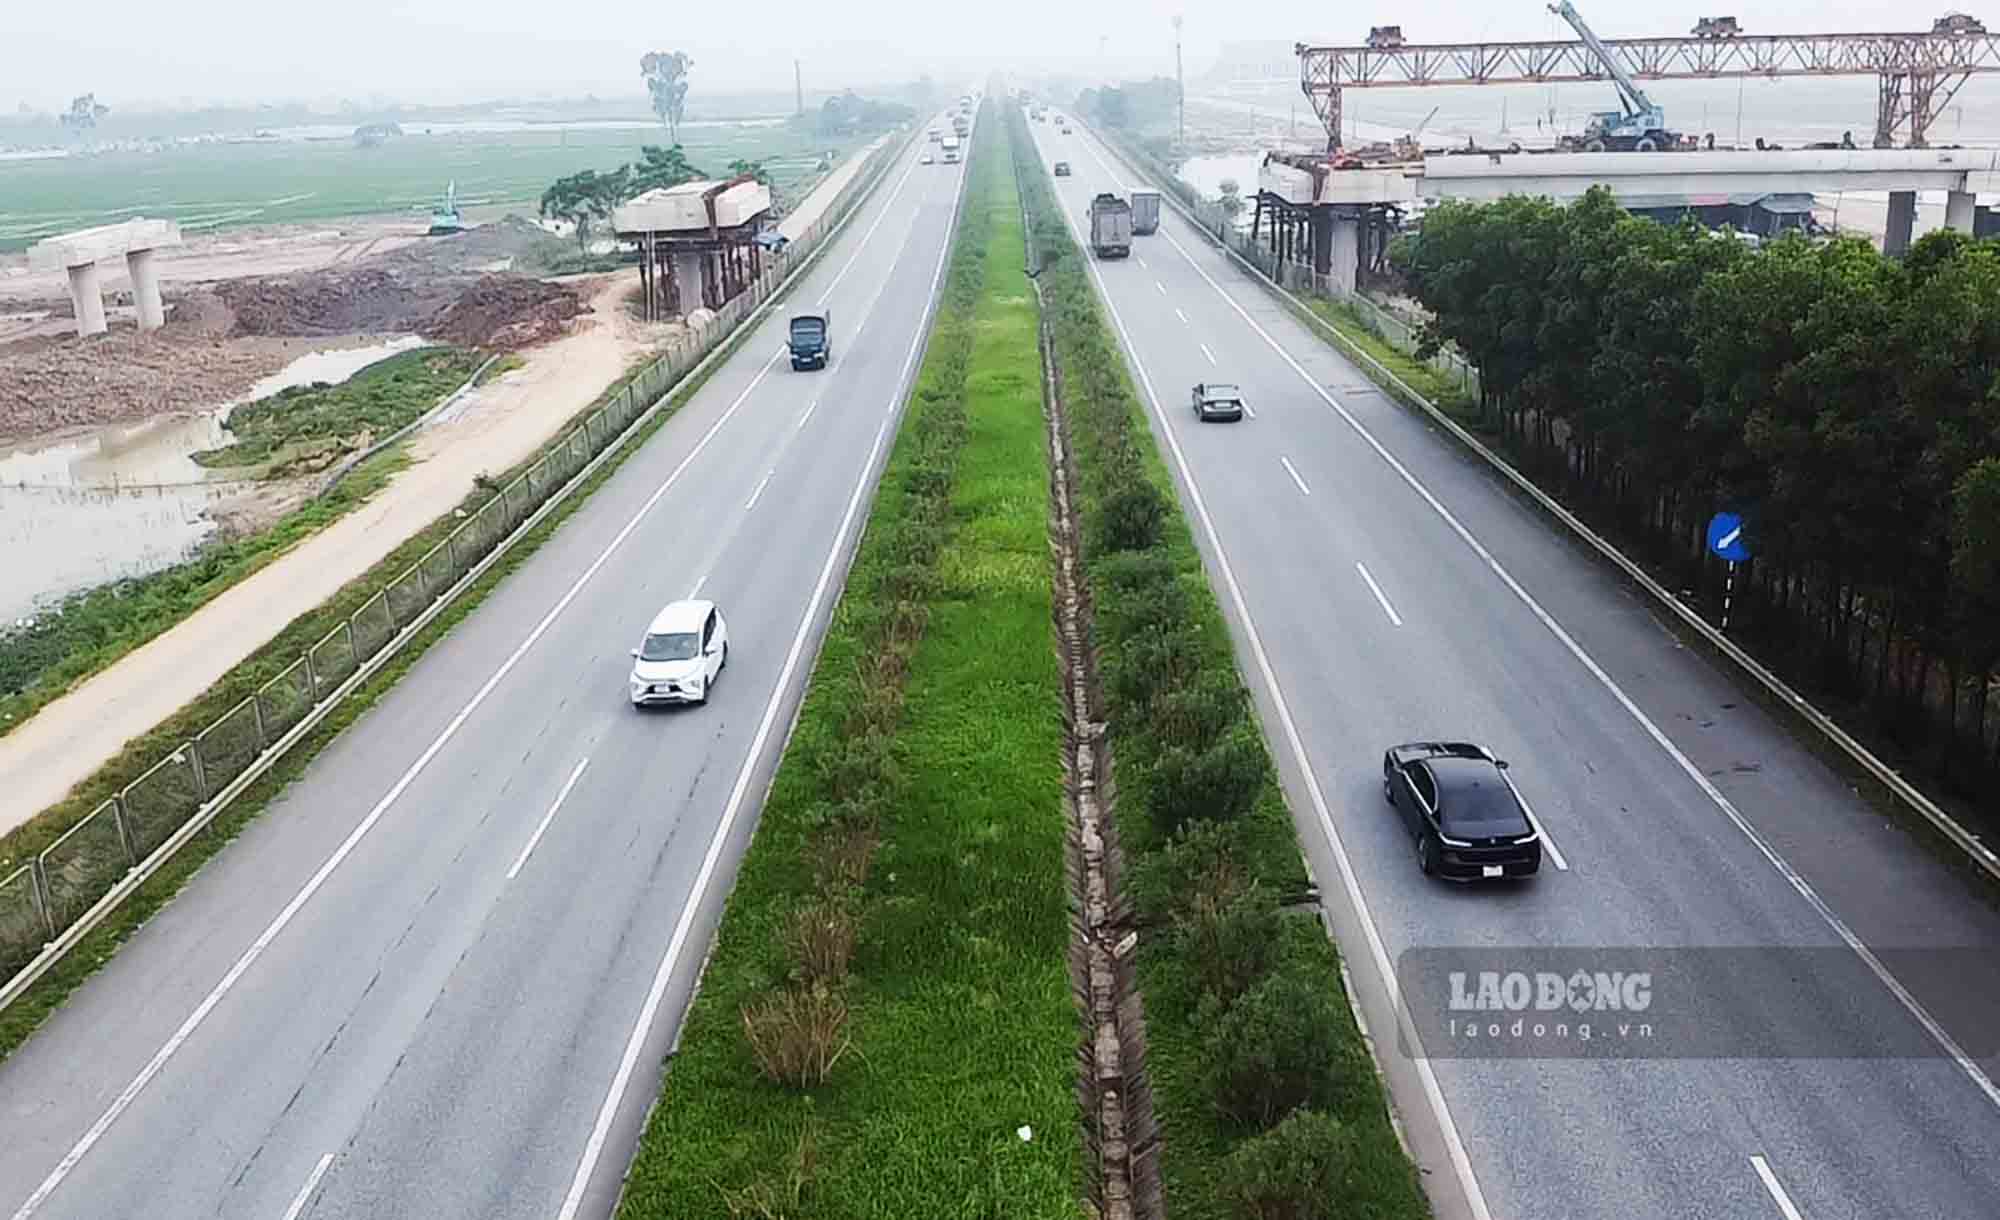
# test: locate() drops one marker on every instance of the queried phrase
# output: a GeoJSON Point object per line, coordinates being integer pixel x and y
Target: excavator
{"type": "Point", "coordinates": [1640, 127]}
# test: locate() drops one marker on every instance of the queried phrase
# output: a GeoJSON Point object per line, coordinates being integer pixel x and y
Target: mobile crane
{"type": "Point", "coordinates": [1640, 127]}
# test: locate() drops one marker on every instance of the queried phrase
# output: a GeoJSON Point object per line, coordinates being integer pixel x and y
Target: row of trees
{"type": "Point", "coordinates": [1847, 404]}
{"type": "Point", "coordinates": [849, 114]}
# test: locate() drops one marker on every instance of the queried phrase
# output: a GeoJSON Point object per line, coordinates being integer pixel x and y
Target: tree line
{"type": "Point", "coordinates": [1847, 405]}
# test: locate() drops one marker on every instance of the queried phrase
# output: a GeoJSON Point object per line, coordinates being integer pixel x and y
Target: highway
{"type": "Point", "coordinates": [1382, 586]}
{"type": "Point", "coordinates": [439, 975]}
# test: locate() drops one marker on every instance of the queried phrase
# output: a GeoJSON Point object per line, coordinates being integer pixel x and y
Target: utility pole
{"type": "Point", "coordinates": [1180, 80]}
{"type": "Point", "coordinates": [799, 86]}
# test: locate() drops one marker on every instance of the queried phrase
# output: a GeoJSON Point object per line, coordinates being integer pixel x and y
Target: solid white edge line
{"type": "Point", "coordinates": [242, 965]}
{"type": "Point", "coordinates": [593, 1149]}
{"type": "Point", "coordinates": [761, 485]}
{"type": "Point", "coordinates": [1294, 472]}
{"type": "Point", "coordinates": [1380, 597]}
{"type": "Point", "coordinates": [1775, 1187]}
{"type": "Point", "coordinates": [1206, 352]}
{"type": "Point", "coordinates": [306, 1192]}
{"type": "Point", "coordinates": [1910, 1004]}
{"type": "Point", "coordinates": [547, 818]}
{"type": "Point", "coordinates": [1555, 853]}
{"type": "Point", "coordinates": [1461, 1163]}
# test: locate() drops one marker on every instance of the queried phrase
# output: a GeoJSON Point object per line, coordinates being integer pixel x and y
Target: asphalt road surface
{"type": "Point", "coordinates": [438, 977]}
{"type": "Point", "coordinates": [1383, 587]}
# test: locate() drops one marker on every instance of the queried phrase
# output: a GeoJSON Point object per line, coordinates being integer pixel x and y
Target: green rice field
{"type": "Point", "coordinates": [324, 174]}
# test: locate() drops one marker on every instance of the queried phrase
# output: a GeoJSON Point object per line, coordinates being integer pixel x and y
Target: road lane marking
{"type": "Point", "coordinates": [1381, 597]}
{"type": "Point", "coordinates": [1294, 472]}
{"type": "Point", "coordinates": [1777, 1189]}
{"type": "Point", "coordinates": [548, 817]}
{"type": "Point", "coordinates": [1206, 352]}
{"type": "Point", "coordinates": [1910, 1003]}
{"type": "Point", "coordinates": [306, 1192]}
{"type": "Point", "coordinates": [810, 408]}
{"type": "Point", "coordinates": [1461, 1162]}
{"type": "Point", "coordinates": [766, 482]}
{"type": "Point", "coordinates": [1249, 410]}
{"type": "Point", "coordinates": [1555, 853]}
{"type": "Point", "coordinates": [1183, 317]}
{"type": "Point", "coordinates": [1141, 258]}
{"type": "Point", "coordinates": [1162, 287]}
{"type": "Point", "coordinates": [593, 1149]}
{"type": "Point", "coordinates": [284, 918]}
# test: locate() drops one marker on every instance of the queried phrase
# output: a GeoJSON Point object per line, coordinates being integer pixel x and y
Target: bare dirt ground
{"type": "Point", "coordinates": [221, 337]}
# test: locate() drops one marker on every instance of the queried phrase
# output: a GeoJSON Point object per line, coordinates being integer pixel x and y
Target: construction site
{"type": "Point", "coordinates": [1330, 211]}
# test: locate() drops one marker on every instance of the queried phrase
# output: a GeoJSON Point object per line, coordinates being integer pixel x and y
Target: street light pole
{"type": "Point", "coordinates": [1180, 80]}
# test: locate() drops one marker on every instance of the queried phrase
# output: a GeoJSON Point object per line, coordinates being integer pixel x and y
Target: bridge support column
{"type": "Point", "coordinates": [1343, 254]}
{"type": "Point", "coordinates": [1958, 211]}
{"type": "Point", "coordinates": [1902, 222]}
{"type": "Point", "coordinates": [87, 298]}
{"type": "Point", "coordinates": [145, 289]}
{"type": "Point", "coordinates": [1322, 239]}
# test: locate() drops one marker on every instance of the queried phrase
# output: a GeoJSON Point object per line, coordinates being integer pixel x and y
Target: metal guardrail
{"type": "Point", "coordinates": [1843, 742]}
{"type": "Point", "coordinates": [53, 901]}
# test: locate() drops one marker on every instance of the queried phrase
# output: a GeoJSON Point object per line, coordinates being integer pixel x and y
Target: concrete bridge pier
{"type": "Point", "coordinates": [86, 298]}
{"type": "Point", "coordinates": [1343, 253]}
{"type": "Point", "coordinates": [79, 253]}
{"type": "Point", "coordinates": [1902, 222]}
{"type": "Point", "coordinates": [1959, 211]}
{"type": "Point", "coordinates": [145, 290]}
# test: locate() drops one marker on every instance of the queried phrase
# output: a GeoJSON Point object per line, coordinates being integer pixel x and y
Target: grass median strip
{"type": "Point", "coordinates": [886, 1027]}
{"type": "Point", "coordinates": [1267, 1100]}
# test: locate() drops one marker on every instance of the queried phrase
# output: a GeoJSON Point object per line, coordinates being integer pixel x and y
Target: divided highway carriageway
{"type": "Point", "coordinates": [437, 978]}
{"type": "Point", "coordinates": [1835, 1060]}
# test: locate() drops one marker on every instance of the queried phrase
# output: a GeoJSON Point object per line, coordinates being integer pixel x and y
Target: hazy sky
{"type": "Point", "coordinates": [136, 51]}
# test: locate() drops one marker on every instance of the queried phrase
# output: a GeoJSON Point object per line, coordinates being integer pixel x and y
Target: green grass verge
{"type": "Point", "coordinates": [1267, 1100]}
{"type": "Point", "coordinates": [959, 1022]}
{"type": "Point", "coordinates": [307, 428]}
{"type": "Point", "coordinates": [21, 1018]}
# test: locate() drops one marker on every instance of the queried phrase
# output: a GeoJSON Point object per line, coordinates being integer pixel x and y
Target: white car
{"type": "Point", "coordinates": [927, 158]}
{"type": "Point", "coordinates": [685, 647]}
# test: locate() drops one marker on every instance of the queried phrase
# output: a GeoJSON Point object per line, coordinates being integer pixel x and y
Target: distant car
{"type": "Point", "coordinates": [685, 647]}
{"type": "Point", "coordinates": [928, 158]}
{"type": "Point", "coordinates": [1062, 169]}
{"type": "Point", "coordinates": [1458, 804]}
{"type": "Point", "coordinates": [1217, 400]}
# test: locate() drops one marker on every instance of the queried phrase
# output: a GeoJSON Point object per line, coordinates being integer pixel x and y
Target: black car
{"type": "Point", "coordinates": [1456, 802]}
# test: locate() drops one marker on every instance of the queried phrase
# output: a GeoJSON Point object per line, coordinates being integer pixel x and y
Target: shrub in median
{"type": "Point", "coordinates": [1129, 519]}
{"type": "Point", "coordinates": [1220, 783]}
{"type": "Point", "coordinates": [1312, 1166]}
{"type": "Point", "coordinates": [798, 1034]}
{"type": "Point", "coordinates": [1277, 1048]}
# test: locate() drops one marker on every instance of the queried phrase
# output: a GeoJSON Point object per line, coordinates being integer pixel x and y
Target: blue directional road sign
{"type": "Point", "coordinates": [1725, 537]}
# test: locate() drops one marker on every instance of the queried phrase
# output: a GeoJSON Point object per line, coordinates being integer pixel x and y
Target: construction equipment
{"type": "Point", "coordinates": [1958, 23]}
{"type": "Point", "coordinates": [1640, 127]}
{"type": "Point", "coordinates": [446, 220]}
{"type": "Point", "coordinates": [1716, 27]}
{"type": "Point", "coordinates": [1382, 37]}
